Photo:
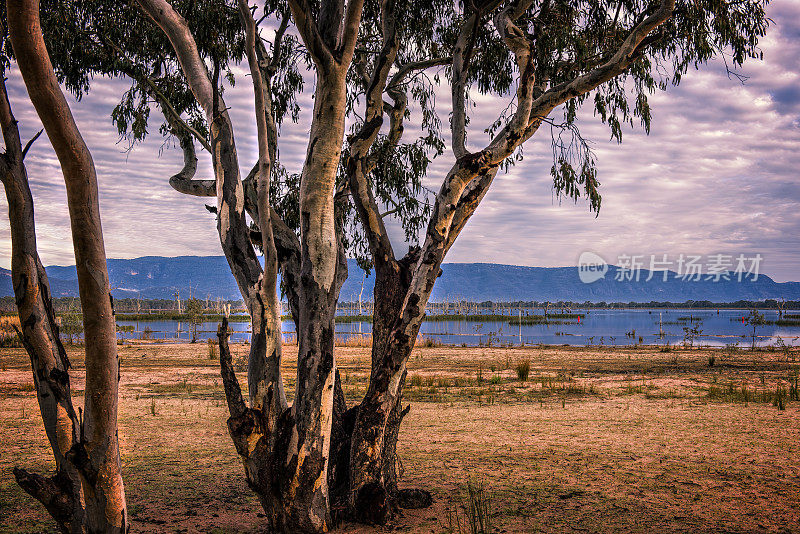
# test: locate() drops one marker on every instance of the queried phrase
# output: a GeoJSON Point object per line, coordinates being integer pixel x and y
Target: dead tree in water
{"type": "Point", "coordinates": [86, 494]}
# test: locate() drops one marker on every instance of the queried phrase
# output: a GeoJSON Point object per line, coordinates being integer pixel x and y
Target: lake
{"type": "Point", "coordinates": [595, 327]}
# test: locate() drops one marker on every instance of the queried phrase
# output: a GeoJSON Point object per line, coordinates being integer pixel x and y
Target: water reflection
{"type": "Point", "coordinates": [595, 327]}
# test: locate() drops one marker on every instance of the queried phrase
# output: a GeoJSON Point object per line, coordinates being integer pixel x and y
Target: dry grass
{"type": "Point", "coordinates": [7, 322]}
{"type": "Point", "coordinates": [8, 333]}
{"type": "Point", "coordinates": [354, 340]}
{"type": "Point", "coordinates": [597, 439]}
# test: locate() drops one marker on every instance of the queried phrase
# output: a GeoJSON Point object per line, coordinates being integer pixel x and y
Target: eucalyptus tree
{"type": "Point", "coordinates": [179, 61]}
{"type": "Point", "coordinates": [372, 61]}
{"type": "Point", "coordinates": [60, 493]}
{"type": "Point", "coordinates": [86, 494]}
{"type": "Point", "coordinates": [540, 59]}
{"type": "Point", "coordinates": [285, 449]}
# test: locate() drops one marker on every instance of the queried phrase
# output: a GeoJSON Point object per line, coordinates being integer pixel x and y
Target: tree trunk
{"type": "Point", "coordinates": [312, 409]}
{"type": "Point", "coordinates": [285, 451]}
{"type": "Point", "coordinates": [268, 446]}
{"type": "Point", "coordinates": [96, 452]}
{"type": "Point", "coordinates": [373, 457]}
{"type": "Point", "coordinates": [60, 493]}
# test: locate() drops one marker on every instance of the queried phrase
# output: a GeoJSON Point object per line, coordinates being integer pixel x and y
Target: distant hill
{"type": "Point", "coordinates": [59, 287]}
{"type": "Point", "coordinates": [160, 277]}
{"type": "Point", "coordinates": [490, 281]}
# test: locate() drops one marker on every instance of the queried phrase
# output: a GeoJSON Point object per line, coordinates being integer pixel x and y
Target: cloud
{"type": "Point", "coordinates": [717, 174]}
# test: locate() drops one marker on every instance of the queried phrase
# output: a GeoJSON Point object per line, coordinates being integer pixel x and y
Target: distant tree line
{"type": "Point", "coordinates": [143, 306]}
{"type": "Point", "coordinates": [768, 304]}
{"type": "Point", "coordinates": [126, 305]}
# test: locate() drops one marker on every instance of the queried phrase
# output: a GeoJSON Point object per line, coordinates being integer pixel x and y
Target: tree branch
{"type": "Point", "coordinates": [469, 179]}
{"type": "Point", "coordinates": [180, 36]}
{"type": "Point", "coordinates": [406, 69]}
{"type": "Point", "coordinates": [352, 21]}
{"type": "Point", "coordinates": [234, 232]}
{"type": "Point", "coordinates": [358, 165]}
{"type": "Point", "coordinates": [277, 43]}
{"type": "Point", "coordinates": [233, 392]}
{"type": "Point", "coordinates": [53, 492]}
{"type": "Point", "coordinates": [461, 58]}
{"type": "Point", "coordinates": [288, 248]}
{"type": "Point", "coordinates": [309, 32]}
{"type": "Point", "coordinates": [170, 112]}
{"type": "Point", "coordinates": [619, 62]}
{"type": "Point", "coordinates": [182, 181]}
{"type": "Point", "coordinates": [29, 144]}
{"type": "Point", "coordinates": [176, 117]}
{"type": "Point", "coordinates": [8, 124]}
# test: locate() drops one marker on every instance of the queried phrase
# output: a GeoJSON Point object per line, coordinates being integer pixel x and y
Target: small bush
{"type": "Point", "coordinates": [429, 343]}
{"type": "Point", "coordinates": [731, 348]}
{"type": "Point", "coordinates": [785, 349]}
{"type": "Point", "coordinates": [239, 361]}
{"type": "Point", "coordinates": [523, 369]}
{"type": "Point", "coordinates": [712, 360]}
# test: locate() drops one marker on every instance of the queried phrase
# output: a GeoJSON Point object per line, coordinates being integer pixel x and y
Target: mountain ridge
{"type": "Point", "coordinates": [209, 276]}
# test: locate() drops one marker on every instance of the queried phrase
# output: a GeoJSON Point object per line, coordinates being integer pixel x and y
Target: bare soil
{"type": "Point", "coordinates": [595, 440]}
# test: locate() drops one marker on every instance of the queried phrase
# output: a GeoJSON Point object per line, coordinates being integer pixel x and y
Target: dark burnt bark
{"type": "Point", "coordinates": [373, 460]}
{"type": "Point", "coordinates": [261, 438]}
{"type": "Point", "coordinates": [339, 457]}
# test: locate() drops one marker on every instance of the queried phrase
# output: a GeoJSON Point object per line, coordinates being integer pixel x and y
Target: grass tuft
{"type": "Point", "coordinates": [479, 508]}
{"type": "Point", "coordinates": [523, 369]}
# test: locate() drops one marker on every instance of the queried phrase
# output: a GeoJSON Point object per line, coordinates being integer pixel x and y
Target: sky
{"type": "Point", "coordinates": [718, 174]}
